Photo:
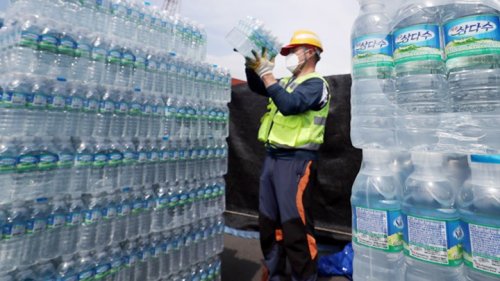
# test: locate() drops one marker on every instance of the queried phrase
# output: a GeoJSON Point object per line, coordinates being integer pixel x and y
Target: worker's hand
{"type": "Point", "coordinates": [262, 65]}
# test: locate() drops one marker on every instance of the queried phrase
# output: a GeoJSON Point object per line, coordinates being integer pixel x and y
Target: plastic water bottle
{"type": "Point", "coordinates": [149, 204]}
{"type": "Point", "coordinates": [123, 207]}
{"type": "Point", "coordinates": [74, 220]}
{"type": "Point", "coordinates": [103, 264]}
{"type": "Point", "coordinates": [24, 57]}
{"type": "Point", "coordinates": [85, 266]}
{"type": "Point", "coordinates": [48, 43]}
{"type": "Point", "coordinates": [143, 254]}
{"type": "Point", "coordinates": [91, 217]}
{"type": "Point", "coordinates": [56, 103]}
{"type": "Point", "coordinates": [115, 255]}
{"type": "Point", "coordinates": [133, 224]}
{"type": "Point", "coordinates": [90, 109]}
{"type": "Point", "coordinates": [98, 58]}
{"type": "Point", "coordinates": [155, 253]}
{"type": "Point", "coordinates": [377, 221]}
{"type": "Point", "coordinates": [474, 71]}
{"type": "Point", "coordinates": [67, 269]}
{"type": "Point", "coordinates": [66, 53]}
{"type": "Point", "coordinates": [130, 261]}
{"type": "Point", "coordinates": [372, 111]}
{"type": "Point", "coordinates": [478, 206]}
{"type": "Point", "coordinates": [432, 231]}
{"type": "Point", "coordinates": [64, 172]}
{"type": "Point", "coordinates": [46, 271]}
{"type": "Point", "coordinates": [28, 179]}
{"type": "Point", "coordinates": [36, 231]}
{"type": "Point", "coordinates": [420, 75]}
{"type": "Point", "coordinates": [84, 160]}
{"type": "Point", "coordinates": [83, 53]}
{"type": "Point", "coordinates": [14, 100]}
{"type": "Point", "coordinates": [55, 225]}
{"type": "Point", "coordinates": [8, 160]}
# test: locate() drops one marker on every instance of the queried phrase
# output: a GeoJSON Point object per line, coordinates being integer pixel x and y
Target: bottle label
{"type": "Point", "coordinates": [433, 241]}
{"type": "Point", "coordinates": [124, 210]}
{"type": "Point", "coordinates": [29, 39]}
{"type": "Point", "coordinates": [130, 260]}
{"type": "Point", "coordinates": [86, 275]}
{"type": "Point", "coordinates": [143, 157]}
{"type": "Point", "coordinates": [102, 271]}
{"type": "Point", "coordinates": [74, 219]}
{"type": "Point", "coordinates": [140, 62]}
{"type": "Point", "coordinates": [7, 164]}
{"type": "Point", "coordinates": [36, 101]}
{"type": "Point", "coordinates": [114, 56]}
{"type": "Point", "coordinates": [372, 50]}
{"type": "Point", "coordinates": [137, 207]}
{"type": "Point", "coordinates": [482, 248]}
{"type": "Point", "coordinates": [122, 107]}
{"type": "Point", "coordinates": [472, 35]}
{"type": "Point", "coordinates": [65, 160]}
{"type": "Point", "coordinates": [155, 157]}
{"type": "Point", "coordinates": [36, 226]}
{"type": "Point", "coordinates": [173, 201]}
{"type": "Point", "coordinates": [13, 230]}
{"type": "Point", "coordinates": [128, 59]}
{"type": "Point", "coordinates": [74, 103]}
{"type": "Point", "coordinates": [115, 158]}
{"type": "Point", "coordinates": [84, 160]}
{"type": "Point", "coordinates": [92, 216]}
{"type": "Point", "coordinates": [91, 105]}
{"type": "Point", "coordinates": [100, 160]}
{"type": "Point", "coordinates": [57, 220]}
{"type": "Point", "coordinates": [107, 106]}
{"type": "Point", "coordinates": [48, 42]}
{"type": "Point", "coordinates": [380, 229]}
{"type": "Point", "coordinates": [136, 109]}
{"type": "Point", "coordinates": [67, 46]}
{"type": "Point", "coordinates": [13, 99]}
{"type": "Point", "coordinates": [98, 54]}
{"type": "Point", "coordinates": [84, 50]}
{"type": "Point", "coordinates": [109, 213]}
{"type": "Point", "coordinates": [130, 157]}
{"type": "Point", "coordinates": [417, 43]}
{"type": "Point", "coordinates": [115, 266]}
{"type": "Point", "coordinates": [27, 163]}
{"type": "Point", "coordinates": [70, 278]}
{"type": "Point", "coordinates": [56, 102]}
{"type": "Point", "coordinates": [48, 161]}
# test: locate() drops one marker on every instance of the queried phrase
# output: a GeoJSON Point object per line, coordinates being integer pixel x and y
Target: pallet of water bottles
{"type": "Point", "coordinates": [186, 251]}
{"type": "Point", "coordinates": [426, 76]}
{"type": "Point", "coordinates": [127, 19]}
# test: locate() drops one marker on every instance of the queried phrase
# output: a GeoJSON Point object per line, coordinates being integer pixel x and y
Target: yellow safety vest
{"type": "Point", "coordinates": [301, 131]}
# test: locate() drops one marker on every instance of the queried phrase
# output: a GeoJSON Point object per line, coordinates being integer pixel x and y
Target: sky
{"type": "Point", "coordinates": [330, 19]}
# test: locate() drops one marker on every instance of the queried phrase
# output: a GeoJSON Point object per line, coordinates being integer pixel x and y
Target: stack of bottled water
{"type": "Point", "coordinates": [423, 91]}
{"type": "Point", "coordinates": [250, 35]}
{"type": "Point", "coordinates": [112, 146]}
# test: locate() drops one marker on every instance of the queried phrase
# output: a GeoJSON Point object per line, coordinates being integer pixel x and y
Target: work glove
{"type": "Point", "coordinates": [262, 65]}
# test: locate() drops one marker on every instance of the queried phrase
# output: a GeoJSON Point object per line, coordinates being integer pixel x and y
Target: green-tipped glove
{"type": "Point", "coordinates": [262, 65]}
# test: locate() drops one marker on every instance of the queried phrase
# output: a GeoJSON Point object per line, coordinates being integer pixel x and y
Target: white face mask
{"type": "Point", "coordinates": [292, 62]}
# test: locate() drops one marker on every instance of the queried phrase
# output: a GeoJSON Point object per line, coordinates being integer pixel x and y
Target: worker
{"type": "Point", "coordinates": [292, 130]}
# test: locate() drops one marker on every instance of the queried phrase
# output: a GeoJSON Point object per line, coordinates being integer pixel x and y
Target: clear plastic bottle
{"type": "Point", "coordinates": [471, 30]}
{"type": "Point", "coordinates": [115, 255]}
{"type": "Point", "coordinates": [67, 269]}
{"type": "Point", "coordinates": [74, 220]}
{"type": "Point", "coordinates": [91, 100]}
{"type": "Point", "coordinates": [13, 234]}
{"type": "Point", "coordinates": [432, 231]}
{"type": "Point", "coordinates": [97, 62]}
{"type": "Point", "coordinates": [85, 265]}
{"type": "Point", "coordinates": [66, 52]}
{"type": "Point", "coordinates": [28, 179]}
{"type": "Point", "coordinates": [57, 116]}
{"type": "Point", "coordinates": [92, 217]}
{"type": "Point", "coordinates": [479, 205]}
{"type": "Point", "coordinates": [377, 221]}
{"type": "Point", "coordinates": [14, 104]}
{"type": "Point", "coordinates": [23, 58]}
{"type": "Point", "coordinates": [36, 231]}
{"type": "Point", "coordinates": [130, 261]}
{"type": "Point", "coordinates": [106, 111]}
{"type": "Point", "coordinates": [55, 225]}
{"type": "Point", "coordinates": [421, 86]}
{"type": "Point", "coordinates": [103, 263]}
{"type": "Point", "coordinates": [84, 160]}
{"type": "Point", "coordinates": [123, 207]}
{"type": "Point", "coordinates": [372, 111]}
{"type": "Point", "coordinates": [154, 261]}
{"type": "Point", "coordinates": [143, 255]}
{"type": "Point", "coordinates": [48, 43]}
{"type": "Point", "coordinates": [8, 161]}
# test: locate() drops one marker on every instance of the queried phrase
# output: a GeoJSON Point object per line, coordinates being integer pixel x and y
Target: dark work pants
{"type": "Point", "coordinates": [285, 221]}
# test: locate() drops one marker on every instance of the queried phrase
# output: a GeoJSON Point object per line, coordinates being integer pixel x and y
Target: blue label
{"type": "Point", "coordinates": [478, 27]}
{"type": "Point", "coordinates": [473, 35]}
{"type": "Point", "coordinates": [372, 44]}
{"type": "Point", "coordinates": [86, 275]}
{"type": "Point", "coordinates": [424, 35]}
{"type": "Point", "coordinates": [7, 164]}
{"type": "Point", "coordinates": [74, 219]}
{"type": "Point", "coordinates": [432, 240]}
{"type": "Point", "coordinates": [56, 220]}
{"type": "Point", "coordinates": [92, 216]}
{"type": "Point", "coordinates": [91, 105]}
{"type": "Point", "coordinates": [13, 230]}
{"type": "Point", "coordinates": [35, 226]}
{"type": "Point", "coordinates": [84, 160]}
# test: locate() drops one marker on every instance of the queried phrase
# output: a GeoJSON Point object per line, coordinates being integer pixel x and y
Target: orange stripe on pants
{"type": "Point", "coordinates": [313, 249]}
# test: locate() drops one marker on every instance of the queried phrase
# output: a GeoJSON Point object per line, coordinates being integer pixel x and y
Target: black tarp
{"type": "Point", "coordinates": [338, 164]}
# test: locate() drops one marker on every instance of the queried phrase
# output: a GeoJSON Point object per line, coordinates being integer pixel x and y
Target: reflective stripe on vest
{"type": "Point", "coordinates": [302, 131]}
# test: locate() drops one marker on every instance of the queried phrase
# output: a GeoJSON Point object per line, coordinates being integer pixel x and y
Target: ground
{"type": "Point", "coordinates": [241, 260]}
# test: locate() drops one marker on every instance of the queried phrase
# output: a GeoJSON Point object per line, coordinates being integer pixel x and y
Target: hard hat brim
{"type": "Point", "coordinates": [285, 50]}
